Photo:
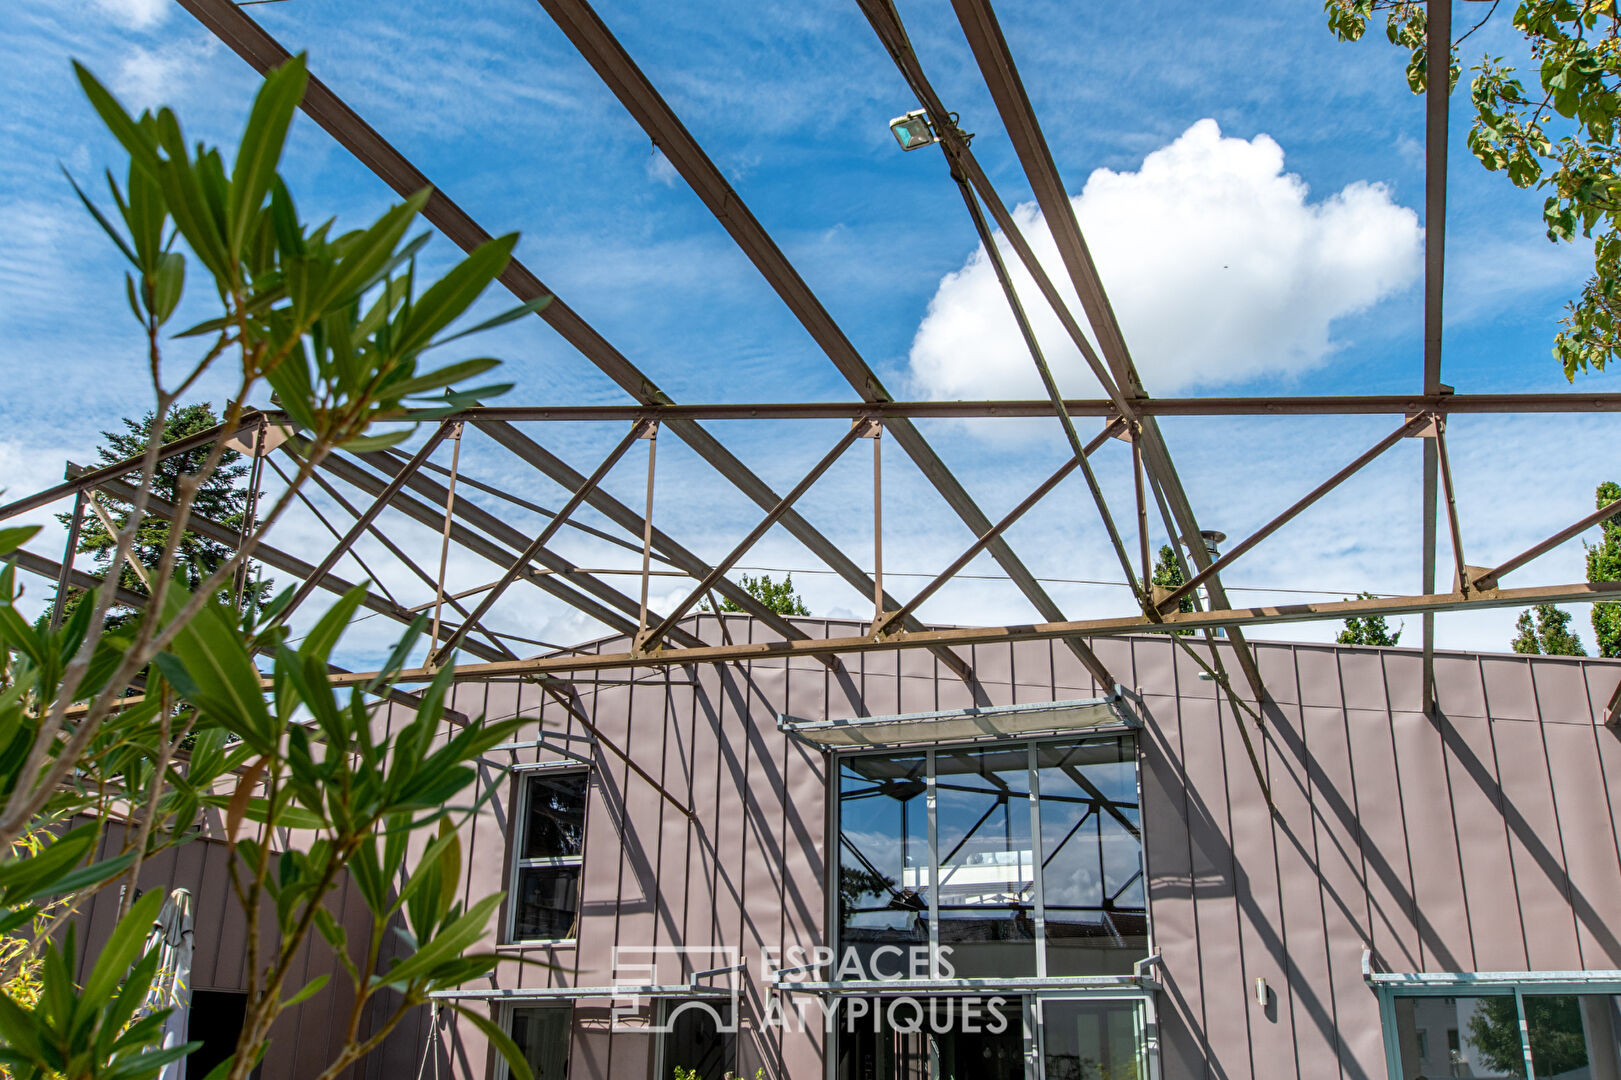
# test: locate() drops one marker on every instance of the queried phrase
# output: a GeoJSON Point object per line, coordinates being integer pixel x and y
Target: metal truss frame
{"type": "Point", "coordinates": [395, 486]}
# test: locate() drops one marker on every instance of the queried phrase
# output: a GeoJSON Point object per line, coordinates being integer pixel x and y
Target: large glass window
{"type": "Point", "coordinates": [1571, 1036]}
{"type": "Point", "coordinates": [1093, 1040]}
{"type": "Point", "coordinates": [1027, 860]}
{"type": "Point", "coordinates": [1091, 856]}
{"type": "Point", "coordinates": [542, 1035]}
{"type": "Point", "coordinates": [884, 864]}
{"type": "Point", "coordinates": [549, 844]}
{"type": "Point", "coordinates": [987, 906]}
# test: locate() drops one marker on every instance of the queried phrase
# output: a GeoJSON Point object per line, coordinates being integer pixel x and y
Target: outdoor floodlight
{"type": "Point", "coordinates": [912, 130]}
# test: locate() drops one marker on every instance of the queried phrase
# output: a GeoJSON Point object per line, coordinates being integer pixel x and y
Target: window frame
{"type": "Point", "coordinates": [833, 852]}
{"type": "Point", "coordinates": [1518, 984]}
{"type": "Point", "coordinates": [523, 777]}
{"type": "Point", "coordinates": [504, 1019]}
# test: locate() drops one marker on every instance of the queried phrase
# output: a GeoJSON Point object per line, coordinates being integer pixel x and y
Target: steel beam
{"type": "Point", "coordinates": [583, 490]}
{"type": "Point", "coordinates": [363, 522]}
{"type": "Point", "coordinates": [1012, 516]}
{"type": "Point", "coordinates": [665, 547]}
{"type": "Point", "coordinates": [1437, 57]}
{"type": "Point", "coordinates": [995, 62]}
{"type": "Point", "coordinates": [1171, 601]}
{"type": "Point", "coordinates": [236, 29]}
{"type": "Point", "coordinates": [94, 477]}
{"type": "Point", "coordinates": [488, 536]}
{"type": "Point", "coordinates": [1583, 592]}
{"type": "Point", "coordinates": [1324, 405]}
{"type": "Point", "coordinates": [271, 556]}
{"type": "Point", "coordinates": [1490, 578]}
{"type": "Point", "coordinates": [38, 564]}
{"type": "Point", "coordinates": [636, 92]}
{"type": "Point", "coordinates": [655, 635]}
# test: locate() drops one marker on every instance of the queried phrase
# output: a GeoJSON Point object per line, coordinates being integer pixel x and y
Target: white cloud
{"type": "Point", "coordinates": [1219, 268]}
{"type": "Point", "coordinates": [135, 14]}
{"type": "Point", "coordinates": [151, 77]}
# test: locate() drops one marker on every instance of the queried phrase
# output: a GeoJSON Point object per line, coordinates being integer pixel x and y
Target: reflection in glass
{"type": "Point", "coordinates": [556, 824]}
{"type": "Point", "coordinates": [542, 1035]}
{"type": "Point", "coordinates": [694, 1041]}
{"type": "Point", "coordinates": [1093, 1040]}
{"type": "Point", "coordinates": [987, 870]}
{"type": "Point", "coordinates": [1091, 853]}
{"type": "Point", "coordinates": [883, 854]}
{"type": "Point", "coordinates": [1459, 1036]}
{"type": "Point", "coordinates": [895, 1038]}
{"type": "Point", "coordinates": [1572, 1036]}
{"type": "Point", "coordinates": [545, 893]}
{"type": "Point", "coordinates": [548, 903]}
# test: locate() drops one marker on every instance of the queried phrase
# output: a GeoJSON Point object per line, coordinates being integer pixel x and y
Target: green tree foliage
{"type": "Point", "coordinates": [1558, 1046]}
{"type": "Point", "coordinates": [1168, 575]}
{"type": "Point", "coordinates": [221, 498]}
{"type": "Point", "coordinates": [1368, 629]}
{"type": "Point", "coordinates": [334, 324]}
{"type": "Point", "coordinates": [779, 596]}
{"type": "Point", "coordinates": [1548, 634]}
{"type": "Point", "coordinates": [1604, 564]}
{"type": "Point", "coordinates": [1559, 135]}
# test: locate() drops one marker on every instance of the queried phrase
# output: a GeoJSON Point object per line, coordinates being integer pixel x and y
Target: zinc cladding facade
{"type": "Point", "coordinates": [1483, 840]}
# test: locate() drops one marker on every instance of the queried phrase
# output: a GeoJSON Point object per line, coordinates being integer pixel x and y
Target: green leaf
{"type": "Point", "coordinates": [127, 940]}
{"type": "Point", "coordinates": [15, 537]}
{"type": "Point", "coordinates": [365, 444]}
{"type": "Point", "coordinates": [368, 257]}
{"type": "Point", "coordinates": [454, 293]}
{"type": "Point", "coordinates": [311, 988]}
{"type": "Point", "coordinates": [134, 140]}
{"type": "Point", "coordinates": [85, 876]}
{"type": "Point", "coordinates": [318, 643]}
{"type": "Point", "coordinates": [511, 315]}
{"type": "Point", "coordinates": [226, 681]}
{"type": "Point", "coordinates": [516, 1062]}
{"type": "Point", "coordinates": [261, 146]}
{"type": "Point", "coordinates": [106, 226]}
{"type": "Point", "coordinates": [442, 377]}
{"type": "Point", "coordinates": [22, 877]}
{"type": "Point", "coordinates": [167, 284]}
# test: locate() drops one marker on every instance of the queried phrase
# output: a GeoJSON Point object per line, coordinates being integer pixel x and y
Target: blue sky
{"type": "Point", "coordinates": [1258, 225]}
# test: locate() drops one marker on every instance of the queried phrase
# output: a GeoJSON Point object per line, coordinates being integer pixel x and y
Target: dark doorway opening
{"type": "Point", "coordinates": [215, 1020]}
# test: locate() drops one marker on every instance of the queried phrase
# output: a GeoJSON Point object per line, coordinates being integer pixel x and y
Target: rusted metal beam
{"type": "Point", "coordinates": [271, 556]}
{"type": "Point", "coordinates": [1438, 60]}
{"type": "Point", "coordinates": [718, 571]}
{"type": "Point", "coordinates": [379, 504]}
{"type": "Point", "coordinates": [68, 552]}
{"type": "Point", "coordinates": [237, 30]}
{"type": "Point", "coordinates": [488, 536]}
{"type": "Point", "coordinates": [636, 92]}
{"type": "Point", "coordinates": [541, 539]}
{"type": "Point", "coordinates": [665, 547]}
{"type": "Point", "coordinates": [1582, 592]}
{"type": "Point", "coordinates": [1321, 405]}
{"type": "Point", "coordinates": [1170, 602]}
{"type": "Point", "coordinates": [94, 477]}
{"type": "Point", "coordinates": [1001, 75]}
{"type": "Point", "coordinates": [394, 549]}
{"type": "Point", "coordinates": [987, 243]}
{"type": "Point", "coordinates": [1000, 527]}
{"type": "Point", "coordinates": [1460, 568]}
{"type": "Point", "coordinates": [1489, 579]}
{"type": "Point", "coordinates": [38, 564]}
